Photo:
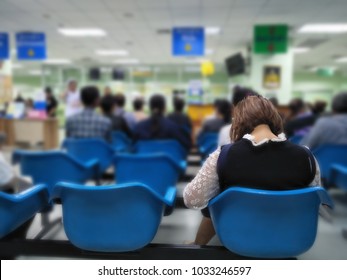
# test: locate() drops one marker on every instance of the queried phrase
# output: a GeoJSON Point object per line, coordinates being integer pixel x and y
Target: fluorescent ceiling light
{"type": "Point", "coordinates": [209, 51]}
{"type": "Point", "coordinates": [127, 61]}
{"type": "Point", "coordinates": [212, 30]}
{"type": "Point", "coordinates": [38, 72]}
{"type": "Point", "coordinates": [341, 60]}
{"type": "Point", "coordinates": [17, 66]}
{"type": "Point", "coordinates": [57, 61]}
{"type": "Point", "coordinates": [324, 28]}
{"type": "Point", "coordinates": [112, 52]}
{"type": "Point", "coordinates": [82, 32]}
{"type": "Point", "coordinates": [300, 50]}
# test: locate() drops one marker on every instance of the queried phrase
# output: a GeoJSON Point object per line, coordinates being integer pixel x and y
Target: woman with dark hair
{"type": "Point", "coordinates": [157, 126]}
{"type": "Point", "coordinates": [139, 114]}
{"type": "Point", "coordinates": [259, 158]}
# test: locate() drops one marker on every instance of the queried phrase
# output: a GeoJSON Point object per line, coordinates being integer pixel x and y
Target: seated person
{"type": "Point", "coordinates": [129, 117]}
{"type": "Point", "coordinates": [9, 181]}
{"type": "Point", "coordinates": [157, 126]}
{"type": "Point", "coordinates": [330, 129]}
{"type": "Point", "coordinates": [178, 116]}
{"type": "Point", "coordinates": [139, 114]}
{"type": "Point", "coordinates": [301, 119]}
{"type": "Point", "coordinates": [222, 118]}
{"type": "Point", "coordinates": [118, 123]}
{"type": "Point", "coordinates": [89, 124]}
{"type": "Point", "coordinates": [259, 158]}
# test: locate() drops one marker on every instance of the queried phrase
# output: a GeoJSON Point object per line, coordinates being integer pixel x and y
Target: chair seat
{"type": "Point", "coordinates": [114, 218]}
{"type": "Point", "coordinates": [267, 224]}
{"type": "Point", "coordinates": [16, 209]}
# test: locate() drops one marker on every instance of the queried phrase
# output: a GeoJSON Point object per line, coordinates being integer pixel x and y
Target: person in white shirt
{"type": "Point", "coordinates": [72, 99]}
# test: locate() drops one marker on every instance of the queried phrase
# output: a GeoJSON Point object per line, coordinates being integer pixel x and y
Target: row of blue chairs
{"type": "Point", "coordinates": [126, 217]}
{"type": "Point", "coordinates": [207, 143]}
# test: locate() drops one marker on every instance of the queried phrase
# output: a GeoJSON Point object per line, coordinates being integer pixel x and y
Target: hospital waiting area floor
{"type": "Point", "coordinates": [180, 227]}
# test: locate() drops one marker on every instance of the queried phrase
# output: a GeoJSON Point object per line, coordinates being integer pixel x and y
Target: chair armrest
{"type": "Point", "coordinates": [28, 192]}
{"type": "Point", "coordinates": [325, 198]}
{"type": "Point", "coordinates": [170, 196]}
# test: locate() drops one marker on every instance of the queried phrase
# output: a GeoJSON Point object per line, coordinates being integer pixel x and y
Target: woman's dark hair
{"type": "Point", "coordinates": [157, 107]}
{"type": "Point", "coordinates": [138, 104]}
{"type": "Point", "coordinates": [224, 109]}
{"type": "Point", "coordinates": [296, 105]}
{"type": "Point", "coordinates": [48, 90]}
{"type": "Point", "coordinates": [240, 93]}
{"type": "Point", "coordinates": [339, 104]}
{"type": "Point", "coordinates": [178, 104]}
{"type": "Point", "coordinates": [119, 100]}
{"type": "Point", "coordinates": [107, 103]}
{"type": "Point", "coordinates": [254, 111]}
{"type": "Point", "coordinates": [319, 107]}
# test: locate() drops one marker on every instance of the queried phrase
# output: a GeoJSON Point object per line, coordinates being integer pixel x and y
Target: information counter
{"type": "Point", "coordinates": [31, 131]}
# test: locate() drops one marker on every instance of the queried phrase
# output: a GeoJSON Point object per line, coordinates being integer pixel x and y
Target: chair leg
{"type": "Point", "coordinates": [47, 226]}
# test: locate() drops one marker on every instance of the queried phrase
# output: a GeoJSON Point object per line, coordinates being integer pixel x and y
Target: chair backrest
{"type": "Point", "coordinates": [267, 224]}
{"type": "Point", "coordinates": [52, 167]}
{"type": "Point", "coordinates": [170, 147]}
{"type": "Point", "coordinates": [90, 149]}
{"type": "Point", "coordinates": [207, 137]}
{"type": "Point", "coordinates": [296, 139]}
{"type": "Point", "coordinates": [110, 218]}
{"type": "Point", "coordinates": [16, 209]}
{"type": "Point", "coordinates": [157, 171]}
{"type": "Point", "coordinates": [327, 155]}
{"type": "Point", "coordinates": [338, 176]}
{"type": "Point", "coordinates": [120, 141]}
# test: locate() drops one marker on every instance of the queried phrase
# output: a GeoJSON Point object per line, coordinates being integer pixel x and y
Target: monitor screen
{"type": "Point", "coordinates": [235, 64]}
{"type": "Point", "coordinates": [94, 74]}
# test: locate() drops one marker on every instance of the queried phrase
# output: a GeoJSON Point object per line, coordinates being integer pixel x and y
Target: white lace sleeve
{"type": "Point", "coordinates": [204, 186]}
{"type": "Point", "coordinates": [317, 178]}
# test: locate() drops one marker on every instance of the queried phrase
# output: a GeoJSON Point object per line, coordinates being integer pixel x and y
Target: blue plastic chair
{"type": "Point", "coordinates": [296, 139]}
{"type": "Point", "coordinates": [206, 137]}
{"type": "Point", "coordinates": [55, 166]}
{"type": "Point", "coordinates": [267, 224]}
{"type": "Point", "coordinates": [120, 141]}
{"type": "Point", "coordinates": [206, 141]}
{"type": "Point", "coordinates": [157, 171]}
{"type": "Point", "coordinates": [330, 154]}
{"type": "Point", "coordinates": [90, 149]}
{"type": "Point", "coordinates": [172, 148]}
{"type": "Point", "coordinates": [338, 176]}
{"type": "Point", "coordinates": [114, 218]}
{"type": "Point", "coordinates": [16, 209]}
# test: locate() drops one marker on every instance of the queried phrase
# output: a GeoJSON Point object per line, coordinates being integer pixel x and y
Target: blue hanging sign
{"type": "Point", "coordinates": [31, 46]}
{"type": "Point", "coordinates": [4, 46]}
{"type": "Point", "coordinates": [188, 41]}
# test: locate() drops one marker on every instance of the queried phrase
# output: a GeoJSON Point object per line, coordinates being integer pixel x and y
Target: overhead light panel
{"type": "Point", "coordinates": [212, 30]}
{"type": "Point", "coordinates": [127, 61]}
{"type": "Point", "coordinates": [209, 51]}
{"type": "Point", "coordinates": [57, 61]}
{"type": "Point", "coordinates": [324, 28]}
{"type": "Point", "coordinates": [300, 50]}
{"type": "Point", "coordinates": [82, 32]}
{"type": "Point", "coordinates": [112, 52]}
{"type": "Point", "coordinates": [341, 59]}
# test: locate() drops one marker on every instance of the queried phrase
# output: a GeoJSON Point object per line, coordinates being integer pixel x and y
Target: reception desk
{"type": "Point", "coordinates": [31, 131]}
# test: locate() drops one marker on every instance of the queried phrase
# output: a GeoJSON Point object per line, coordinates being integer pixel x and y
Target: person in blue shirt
{"type": "Point", "coordinates": [157, 126]}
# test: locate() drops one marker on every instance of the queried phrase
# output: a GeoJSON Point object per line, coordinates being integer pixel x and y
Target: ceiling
{"type": "Point", "coordinates": [132, 25]}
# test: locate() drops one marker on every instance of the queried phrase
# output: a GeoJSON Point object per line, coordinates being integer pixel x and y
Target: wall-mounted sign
{"type": "Point", "coordinates": [31, 46]}
{"type": "Point", "coordinates": [188, 41]}
{"type": "Point", "coordinates": [272, 77]}
{"type": "Point", "coordinates": [4, 46]}
{"type": "Point", "coordinates": [270, 39]}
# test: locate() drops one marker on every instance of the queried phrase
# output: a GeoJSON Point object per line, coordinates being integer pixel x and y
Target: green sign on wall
{"type": "Point", "coordinates": [270, 39]}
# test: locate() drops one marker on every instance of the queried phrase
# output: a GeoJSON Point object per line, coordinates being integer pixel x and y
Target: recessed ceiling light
{"type": "Point", "coordinates": [341, 59]}
{"type": "Point", "coordinates": [212, 30]}
{"type": "Point", "coordinates": [57, 61]}
{"type": "Point", "coordinates": [38, 72]}
{"type": "Point", "coordinates": [300, 50]}
{"type": "Point", "coordinates": [324, 28]}
{"type": "Point", "coordinates": [82, 32]}
{"type": "Point", "coordinates": [16, 66]}
{"type": "Point", "coordinates": [112, 52]}
{"type": "Point", "coordinates": [127, 61]}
